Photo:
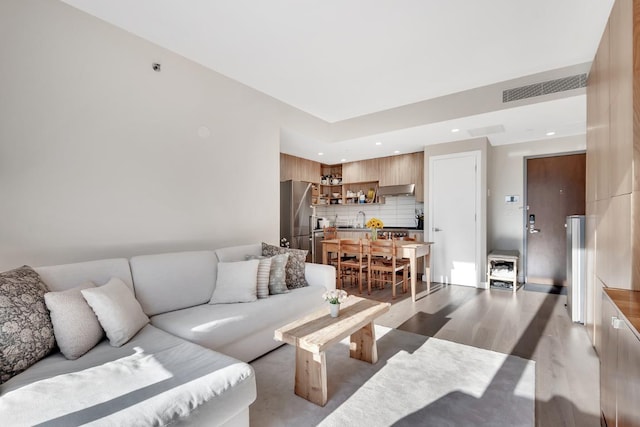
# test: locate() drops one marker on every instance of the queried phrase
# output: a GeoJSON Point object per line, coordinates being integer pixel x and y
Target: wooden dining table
{"type": "Point", "coordinates": [404, 249]}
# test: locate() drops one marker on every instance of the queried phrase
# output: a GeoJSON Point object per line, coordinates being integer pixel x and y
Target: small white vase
{"type": "Point", "coordinates": [334, 309]}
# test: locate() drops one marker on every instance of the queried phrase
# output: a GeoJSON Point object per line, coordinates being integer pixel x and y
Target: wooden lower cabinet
{"type": "Point", "coordinates": [628, 388]}
{"type": "Point", "coordinates": [619, 369]}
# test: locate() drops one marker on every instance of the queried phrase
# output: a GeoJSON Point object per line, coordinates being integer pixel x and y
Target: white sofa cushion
{"type": "Point", "coordinates": [75, 325]}
{"type": "Point", "coordinates": [197, 382]}
{"type": "Point", "coordinates": [236, 282]}
{"type": "Point", "coordinates": [229, 328]}
{"type": "Point", "coordinates": [172, 281]}
{"type": "Point", "coordinates": [238, 253]}
{"type": "Point", "coordinates": [118, 311]}
{"type": "Point", "coordinates": [67, 276]}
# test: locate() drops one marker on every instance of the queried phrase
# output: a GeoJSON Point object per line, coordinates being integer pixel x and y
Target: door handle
{"type": "Point", "coordinates": [437, 229]}
{"type": "Point", "coordinates": [533, 230]}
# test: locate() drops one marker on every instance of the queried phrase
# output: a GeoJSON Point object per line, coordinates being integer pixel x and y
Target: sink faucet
{"type": "Point", "coordinates": [364, 218]}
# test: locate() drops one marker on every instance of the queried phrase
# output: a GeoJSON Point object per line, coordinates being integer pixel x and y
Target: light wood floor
{"type": "Point", "coordinates": [531, 325]}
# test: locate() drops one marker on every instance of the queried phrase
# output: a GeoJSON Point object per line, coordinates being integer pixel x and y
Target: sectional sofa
{"type": "Point", "coordinates": [186, 366]}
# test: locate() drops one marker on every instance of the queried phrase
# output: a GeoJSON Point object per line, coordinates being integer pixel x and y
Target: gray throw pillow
{"type": "Point", "coordinates": [295, 277]}
{"type": "Point", "coordinates": [277, 275]}
{"type": "Point", "coordinates": [75, 325]}
{"type": "Point", "coordinates": [26, 332]}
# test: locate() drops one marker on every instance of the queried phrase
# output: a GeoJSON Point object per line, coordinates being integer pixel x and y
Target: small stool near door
{"type": "Point", "coordinates": [502, 269]}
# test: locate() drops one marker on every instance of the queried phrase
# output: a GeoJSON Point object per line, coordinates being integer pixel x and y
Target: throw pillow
{"type": "Point", "coordinates": [75, 325]}
{"type": "Point", "coordinates": [26, 332]}
{"type": "Point", "coordinates": [118, 311]}
{"type": "Point", "coordinates": [295, 265]}
{"type": "Point", "coordinates": [236, 282]}
{"type": "Point", "coordinates": [263, 275]}
{"type": "Point", "coordinates": [277, 275]}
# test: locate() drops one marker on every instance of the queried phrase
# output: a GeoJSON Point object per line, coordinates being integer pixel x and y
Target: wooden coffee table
{"type": "Point", "coordinates": [314, 334]}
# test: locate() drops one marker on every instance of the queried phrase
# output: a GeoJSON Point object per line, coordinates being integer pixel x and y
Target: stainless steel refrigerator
{"type": "Point", "coordinates": [576, 268]}
{"type": "Point", "coordinates": [296, 214]}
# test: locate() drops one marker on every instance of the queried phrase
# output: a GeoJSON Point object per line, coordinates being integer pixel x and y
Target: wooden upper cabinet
{"type": "Point", "coordinates": [298, 169]}
{"type": "Point", "coordinates": [620, 76]}
{"type": "Point", "coordinates": [404, 169]}
{"type": "Point", "coordinates": [362, 171]}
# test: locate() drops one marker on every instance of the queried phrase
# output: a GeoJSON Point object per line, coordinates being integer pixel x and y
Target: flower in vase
{"type": "Point", "coordinates": [374, 223]}
{"type": "Point", "coordinates": [335, 296]}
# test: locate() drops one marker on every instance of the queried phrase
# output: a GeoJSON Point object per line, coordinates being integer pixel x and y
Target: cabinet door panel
{"type": "Point", "coordinates": [608, 362]}
{"type": "Point", "coordinates": [621, 97]}
{"type": "Point", "coordinates": [628, 379]}
{"type": "Point", "coordinates": [362, 171]}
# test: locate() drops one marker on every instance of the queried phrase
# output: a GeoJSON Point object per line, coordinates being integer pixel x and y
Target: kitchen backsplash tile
{"type": "Point", "coordinates": [398, 211]}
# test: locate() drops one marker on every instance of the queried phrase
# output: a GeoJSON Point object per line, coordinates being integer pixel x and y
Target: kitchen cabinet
{"type": "Point", "coordinates": [404, 169]}
{"type": "Point", "coordinates": [298, 169]}
{"type": "Point", "coordinates": [392, 170]}
{"type": "Point", "coordinates": [362, 171]}
{"type": "Point", "coordinates": [620, 358]}
{"type": "Point", "coordinates": [613, 165]}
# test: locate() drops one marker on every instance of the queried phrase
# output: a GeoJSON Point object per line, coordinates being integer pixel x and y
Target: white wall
{"type": "Point", "coordinates": [506, 177]}
{"type": "Point", "coordinates": [100, 156]}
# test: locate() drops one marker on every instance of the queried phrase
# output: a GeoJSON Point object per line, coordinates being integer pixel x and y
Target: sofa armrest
{"type": "Point", "coordinates": [320, 275]}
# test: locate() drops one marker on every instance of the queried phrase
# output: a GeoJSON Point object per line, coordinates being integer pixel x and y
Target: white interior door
{"type": "Point", "coordinates": [454, 187]}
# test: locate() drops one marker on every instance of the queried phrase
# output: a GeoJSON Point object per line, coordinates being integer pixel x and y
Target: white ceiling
{"type": "Point", "coordinates": [340, 59]}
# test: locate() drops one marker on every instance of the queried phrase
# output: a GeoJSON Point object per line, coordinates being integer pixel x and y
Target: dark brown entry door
{"type": "Point", "coordinates": [555, 189]}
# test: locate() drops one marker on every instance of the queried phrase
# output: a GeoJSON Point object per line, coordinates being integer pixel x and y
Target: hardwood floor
{"type": "Point", "coordinates": [531, 325]}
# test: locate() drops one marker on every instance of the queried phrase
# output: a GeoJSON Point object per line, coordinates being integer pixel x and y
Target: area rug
{"type": "Point", "coordinates": [418, 381]}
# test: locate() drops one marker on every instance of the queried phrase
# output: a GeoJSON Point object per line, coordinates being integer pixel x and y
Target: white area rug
{"type": "Point", "coordinates": [418, 381]}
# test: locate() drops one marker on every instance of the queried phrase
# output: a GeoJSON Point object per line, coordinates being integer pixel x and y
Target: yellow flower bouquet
{"type": "Point", "coordinates": [374, 224]}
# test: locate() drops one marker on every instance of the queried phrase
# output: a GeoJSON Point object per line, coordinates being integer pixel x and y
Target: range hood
{"type": "Point", "coordinates": [397, 190]}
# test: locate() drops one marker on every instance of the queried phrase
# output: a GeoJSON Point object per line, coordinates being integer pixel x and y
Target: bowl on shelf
{"type": "Point", "coordinates": [336, 195]}
{"type": "Point", "coordinates": [335, 181]}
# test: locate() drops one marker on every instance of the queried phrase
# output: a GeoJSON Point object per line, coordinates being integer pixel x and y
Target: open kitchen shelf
{"type": "Point", "coordinates": [346, 193]}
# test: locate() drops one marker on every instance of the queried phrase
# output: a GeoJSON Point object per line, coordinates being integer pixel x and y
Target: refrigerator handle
{"type": "Point", "coordinates": [311, 238]}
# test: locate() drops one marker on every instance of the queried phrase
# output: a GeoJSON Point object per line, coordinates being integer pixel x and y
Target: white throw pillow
{"type": "Point", "coordinates": [117, 309]}
{"type": "Point", "coordinates": [75, 325]}
{"type": "Point", "coordinates": [236, 282]}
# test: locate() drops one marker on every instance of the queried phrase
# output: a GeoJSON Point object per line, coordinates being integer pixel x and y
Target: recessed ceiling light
{"type": "Point", "coordinates": [320, 154]}
{"type": "Point", "coordinates": [343, 160]}
{"type": "Point", "coordinates": [455, 130]}
{"type": "Point", "coordinates": [396, 152]}
{"type": "Point", "coordinates": [378, 143]}
{"type": "Point", "coordinates": [551, 133]}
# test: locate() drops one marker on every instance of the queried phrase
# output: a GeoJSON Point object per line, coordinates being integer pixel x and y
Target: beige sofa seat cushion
{"type": "Point", "coordinates": [221, 325]}
{"type": "Point", "coordinates": [185, 379]}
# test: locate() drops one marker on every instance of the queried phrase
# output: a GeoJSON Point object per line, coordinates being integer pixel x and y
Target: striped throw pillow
{"type": "Point", "coordinates": [263, 275]}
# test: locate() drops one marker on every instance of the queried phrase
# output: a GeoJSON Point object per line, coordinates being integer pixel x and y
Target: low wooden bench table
{"type": "Point", "coordinates": [314, 334]}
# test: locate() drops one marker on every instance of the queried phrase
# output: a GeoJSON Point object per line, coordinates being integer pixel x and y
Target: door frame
{"type": "Point", "coordinates": [525, 206]}
{"type": "Point", "coordinates": [477, 154]}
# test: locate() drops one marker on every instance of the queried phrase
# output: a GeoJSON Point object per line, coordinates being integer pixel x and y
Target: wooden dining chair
{"type": "Point", "coordinates": [352, 262]}
{"type": "Point", "coordinates": [331, 233]}
{"type": "Point", "coordinates": [383, 266]}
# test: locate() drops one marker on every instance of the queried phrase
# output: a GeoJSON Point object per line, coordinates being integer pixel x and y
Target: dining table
{"type": "Point", "coordinates": [408, 249]}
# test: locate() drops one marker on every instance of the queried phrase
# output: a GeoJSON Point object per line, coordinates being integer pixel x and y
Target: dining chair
{"type": "Point", "coordinates": [331, 233]}
{"type": "Point", "coordinates": [383, 266]}
{"type": "Point", "coordinates": [352, 262]}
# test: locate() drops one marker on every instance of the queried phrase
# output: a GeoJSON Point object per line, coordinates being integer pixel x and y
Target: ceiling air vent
{"type": "Point", "coordinates": [545, 88]}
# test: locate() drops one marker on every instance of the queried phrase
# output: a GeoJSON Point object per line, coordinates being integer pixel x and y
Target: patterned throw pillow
{"type": "Point", "coordinates": [295, 264]}
{"type": "Point", "coordinates": [26, 332]}
{"type": "Point", "coordinates": [277, 275]}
